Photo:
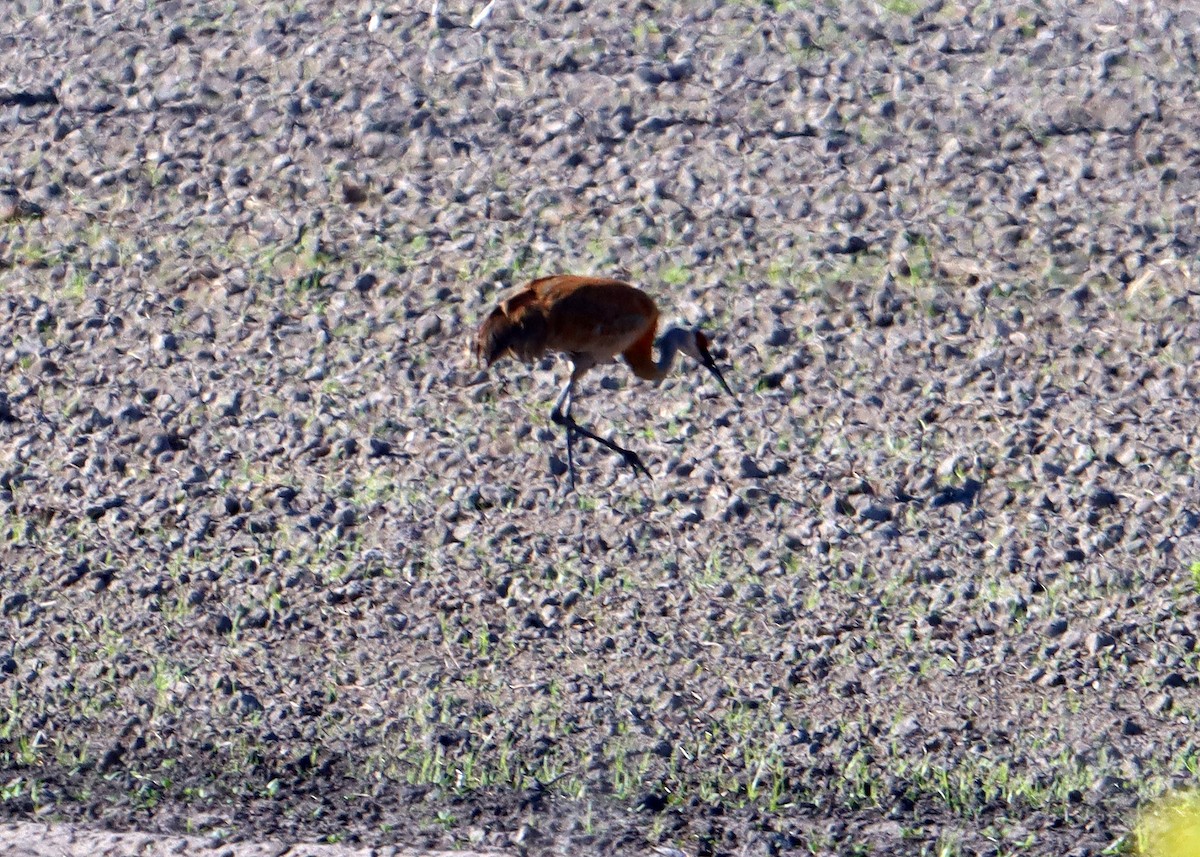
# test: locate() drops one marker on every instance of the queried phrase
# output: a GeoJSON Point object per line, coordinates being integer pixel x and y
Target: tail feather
{"type": "Point", "coordinates": [523, 335]}
{"type": "Point", "coordinates": [490, 344]}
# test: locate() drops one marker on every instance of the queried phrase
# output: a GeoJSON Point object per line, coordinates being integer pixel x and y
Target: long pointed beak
{"type": "Point", "coordinates": [711, 366]}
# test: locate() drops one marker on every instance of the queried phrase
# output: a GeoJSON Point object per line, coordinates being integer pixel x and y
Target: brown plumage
{"type": "Point", "coordinates": [592, 320]}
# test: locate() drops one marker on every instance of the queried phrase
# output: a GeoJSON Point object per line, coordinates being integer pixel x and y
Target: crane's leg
{"type": "Point", "coordinates": [561, 415]}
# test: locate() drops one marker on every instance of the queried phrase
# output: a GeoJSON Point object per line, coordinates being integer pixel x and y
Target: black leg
{"type": "Point", "coordinates": [570, 459]}
{"type": "Point", "coordinates": [561, 416]}
{"type": "Point", "coordinates": [631, 457]}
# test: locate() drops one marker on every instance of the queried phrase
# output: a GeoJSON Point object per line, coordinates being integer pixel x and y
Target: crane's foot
{"type": "Point", "coordinates": [564, 475]}
{"type": "Point", "coordinates": [635, 461]}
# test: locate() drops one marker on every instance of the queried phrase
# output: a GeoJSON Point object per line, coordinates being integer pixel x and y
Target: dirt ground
{"type": "Point", "coordinates": [280, 563]}
{"type": "Point", "coordinates": [25, 839]}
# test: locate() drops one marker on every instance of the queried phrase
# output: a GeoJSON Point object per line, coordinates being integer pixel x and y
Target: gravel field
{"type": "Point", "coordinates": [25, 839]}
{"type": "Point", "coordinates": [280, 563]}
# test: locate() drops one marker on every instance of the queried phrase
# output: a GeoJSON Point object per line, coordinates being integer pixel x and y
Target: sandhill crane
{"type": "Point", "coordinates": [591, 320]}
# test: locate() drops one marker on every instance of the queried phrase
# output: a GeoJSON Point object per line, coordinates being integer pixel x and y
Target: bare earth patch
{"type": "Point", "coordinates": [279, 562]}
{"type": "Point", "coordinates": [24, 839]}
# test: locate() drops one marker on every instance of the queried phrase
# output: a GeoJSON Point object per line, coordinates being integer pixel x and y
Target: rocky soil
{"type": "Point", "coordinates": [26, 839]}
{"type": "Point", "coordinates": [277, 560]}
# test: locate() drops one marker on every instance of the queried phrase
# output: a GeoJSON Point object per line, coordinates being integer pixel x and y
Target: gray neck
{"type": "Point", "coordinates": [669, 344]}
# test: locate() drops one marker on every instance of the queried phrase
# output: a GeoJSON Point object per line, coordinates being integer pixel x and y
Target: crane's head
{"type": "Point", "coordinates": [695, 345]}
